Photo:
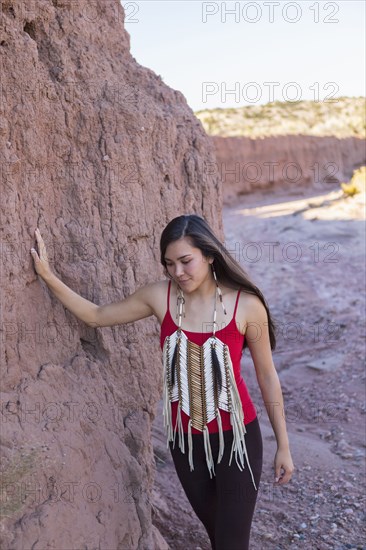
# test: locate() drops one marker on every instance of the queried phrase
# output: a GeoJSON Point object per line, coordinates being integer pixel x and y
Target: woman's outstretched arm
{"type": "Point", "coordinates": [257, 336]}
{"type": "Point", "coordinates": [134, 307]}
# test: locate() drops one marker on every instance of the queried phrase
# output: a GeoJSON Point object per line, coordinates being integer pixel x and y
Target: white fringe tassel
{"type": "Point", "coordinates": [190, 444]}
{"type": "Point", "coordinates": [221, 435]}
{"type": "Point", "coordinates": [180, 428]}
{"type": "Point", "coordinates": [208, 451]}
{"type": "Point", "coordinates": [237, 422]}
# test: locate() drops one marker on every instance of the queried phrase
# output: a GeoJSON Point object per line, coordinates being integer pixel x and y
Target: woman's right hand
{"type": "Point", "coordinates": [40, 259]}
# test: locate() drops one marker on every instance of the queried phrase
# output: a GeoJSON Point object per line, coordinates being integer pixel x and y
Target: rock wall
{"type": "Point", "coordinates": [100, 154]}
{"type": "Point", "coordinates": [246, 164]}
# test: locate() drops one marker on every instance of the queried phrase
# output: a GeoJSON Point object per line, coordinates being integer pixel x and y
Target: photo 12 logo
{"type": "Point", "coordinates": [254, 12]}
{"type": "Point", "coordinates": [253, 92]}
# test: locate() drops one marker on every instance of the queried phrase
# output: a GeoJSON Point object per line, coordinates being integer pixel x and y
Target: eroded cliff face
{"type": "Point", "coordinates": [100, 154]}
{"type": "Point", "coordinates": [288, 162]}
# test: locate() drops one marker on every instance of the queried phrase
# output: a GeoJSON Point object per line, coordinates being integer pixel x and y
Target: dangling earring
{"type": "Point", "coordinates": [180, 299]}
{"type": "Point", "coordinates": [218, 288]}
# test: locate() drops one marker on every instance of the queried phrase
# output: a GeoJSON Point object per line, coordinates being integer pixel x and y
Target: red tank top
{"type": "Point", "coordinates": [228, 335]}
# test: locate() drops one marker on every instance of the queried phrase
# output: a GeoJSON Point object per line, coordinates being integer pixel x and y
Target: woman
{"type": "Point", "coordinates": [218, 459]}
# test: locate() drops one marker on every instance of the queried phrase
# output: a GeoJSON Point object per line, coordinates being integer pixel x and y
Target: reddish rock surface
{"type": "Point", "coordinates": [287, 162]}
{"type": "Point", "coordinates": [100, 154]}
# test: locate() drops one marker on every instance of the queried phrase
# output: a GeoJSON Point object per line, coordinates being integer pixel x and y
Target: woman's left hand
{"type": "Point", "coordinates": [283, 461]}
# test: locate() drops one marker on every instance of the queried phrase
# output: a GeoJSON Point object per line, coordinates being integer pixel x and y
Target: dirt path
{"type": "Point", "coordinates": [307, 256]}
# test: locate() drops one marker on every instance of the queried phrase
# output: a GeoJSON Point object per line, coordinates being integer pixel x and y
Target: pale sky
{"type": "Point", "coordinates": [263, 51]}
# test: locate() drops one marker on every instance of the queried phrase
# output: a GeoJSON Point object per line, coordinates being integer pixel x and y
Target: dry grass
{"type": "Point", "coordinates": [343, 117]}
{"type": "Point", "coordinates": [357, 183]}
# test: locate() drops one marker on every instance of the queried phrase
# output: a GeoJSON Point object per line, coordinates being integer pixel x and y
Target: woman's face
{"type": "Point", "coordinates": [186, 264]}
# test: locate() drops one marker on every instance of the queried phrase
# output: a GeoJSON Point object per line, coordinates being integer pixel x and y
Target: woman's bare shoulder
{"type": "Point", "coordinates": [157, 286]}
{"type": "Point", "coordinates": [245, 296]}
{"type": "Point", "coordinates": [156, 296]}
{"type": "Point", "coordinates": [250, 308]}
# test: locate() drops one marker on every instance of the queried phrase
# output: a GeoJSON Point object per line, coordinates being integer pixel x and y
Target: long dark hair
{"type": "Point", "coordinates": [228, 271]}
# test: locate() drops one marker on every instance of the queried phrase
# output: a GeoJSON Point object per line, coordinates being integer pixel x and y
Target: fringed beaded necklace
{"type": "Point", "coordinates": [202, 380]}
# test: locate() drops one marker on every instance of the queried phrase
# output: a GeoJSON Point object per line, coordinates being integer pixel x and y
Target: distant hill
{"type": "Point", "coordinates": [344, 117]}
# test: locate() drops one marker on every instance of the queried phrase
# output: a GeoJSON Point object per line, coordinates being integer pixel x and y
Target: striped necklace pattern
{"type": "Point", "coordinates": [202, 380]}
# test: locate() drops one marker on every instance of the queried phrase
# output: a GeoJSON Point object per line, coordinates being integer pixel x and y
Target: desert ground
{"type": "Point", "coordinates": [307, 255]}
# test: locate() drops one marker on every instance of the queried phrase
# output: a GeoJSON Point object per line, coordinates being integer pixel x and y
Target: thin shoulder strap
{"type": "Point", "coordinates": [236, 303]}
{"type": "Point", "coordinates": [168, 295]}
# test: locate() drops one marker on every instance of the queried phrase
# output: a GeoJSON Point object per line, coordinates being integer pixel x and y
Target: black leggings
{"type": "Point", "coordinates": [224, 503]}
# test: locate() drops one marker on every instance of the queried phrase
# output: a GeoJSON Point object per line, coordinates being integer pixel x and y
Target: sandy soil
{"type": "Point", "coordinates": [314, 283]}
